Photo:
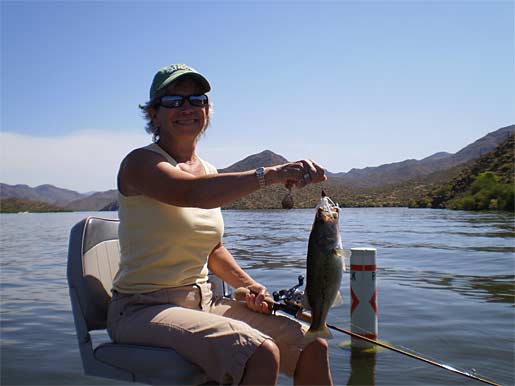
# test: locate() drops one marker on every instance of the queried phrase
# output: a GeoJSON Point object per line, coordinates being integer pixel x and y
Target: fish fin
{"type": "Point", "coordinates": [338, 300]}
{"type": "Point", "coordinates": [346, 253]}
{"type": "Point", "coordinates": [305, 301]}
{"type": "Point", "coordinates": [343, 254]}
{"type": "Point", "coordinates": [323, 332]}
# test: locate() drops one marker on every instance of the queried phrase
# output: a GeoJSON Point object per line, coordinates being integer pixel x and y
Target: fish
{"type": "Point", "coordinates": [325, 267]}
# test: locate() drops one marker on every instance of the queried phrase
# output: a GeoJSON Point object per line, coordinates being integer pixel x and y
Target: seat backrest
{"type": "Point", "coordinates": [93, 259]}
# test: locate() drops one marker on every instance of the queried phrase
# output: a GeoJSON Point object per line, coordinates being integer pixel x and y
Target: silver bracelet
{"type": "Point", "coordinates": [260, 174]}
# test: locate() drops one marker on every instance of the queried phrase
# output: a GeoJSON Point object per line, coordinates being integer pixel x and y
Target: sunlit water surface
{"type": "Point", "coordinates": [445, 291]}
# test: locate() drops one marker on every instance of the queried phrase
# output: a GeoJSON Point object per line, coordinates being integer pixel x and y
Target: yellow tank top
{"type": "Point", "coordinates": [162, 245]}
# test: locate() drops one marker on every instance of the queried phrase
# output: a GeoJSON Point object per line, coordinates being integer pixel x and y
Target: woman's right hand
{"type": "Point", "coordinates": [255, 298]}
{"type": "Point", "coordinates": [299, 174]}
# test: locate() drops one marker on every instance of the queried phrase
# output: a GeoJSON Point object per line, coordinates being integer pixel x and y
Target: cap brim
{"type": "Point", "coordinates": [181, 74]}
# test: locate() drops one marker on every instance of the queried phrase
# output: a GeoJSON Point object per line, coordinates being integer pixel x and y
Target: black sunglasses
{"type": "Point", "coordinates": [174, 101]}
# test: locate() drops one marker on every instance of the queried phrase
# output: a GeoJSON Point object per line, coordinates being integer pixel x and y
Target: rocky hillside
{"type": "Point", "coordinates": [96, 201]}
{"type": "Point", "coordinates": [20, 205]}
{"type": "Point", "coordinates": [390, 195]}
{"type": "Point", "coordinates": [46, 193]}
{"type": "Point", "coordinates": [398, 172]}
{"type": "Point", "coordinates": [485, 144]}
{"type": "Point", "coordinates": [487, 183]}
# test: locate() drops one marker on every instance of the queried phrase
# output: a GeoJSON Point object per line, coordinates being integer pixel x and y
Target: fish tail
{"type": "Point", "coordinates": [322, 332]}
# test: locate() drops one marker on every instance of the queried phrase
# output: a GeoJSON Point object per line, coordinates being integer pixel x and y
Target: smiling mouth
{"type": "Point", "coordinates": [186, 121]}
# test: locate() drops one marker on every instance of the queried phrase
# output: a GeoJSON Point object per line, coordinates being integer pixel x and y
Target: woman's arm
{"type": "Point", "coordinates": [223, 265]}
{"type": "Point", "coordinates": [145, 172]}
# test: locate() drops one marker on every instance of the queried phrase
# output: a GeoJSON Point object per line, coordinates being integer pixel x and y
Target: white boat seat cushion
{"type": "Point", "coordinates": [100, 264]}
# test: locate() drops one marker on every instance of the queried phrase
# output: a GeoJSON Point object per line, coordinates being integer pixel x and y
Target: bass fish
{"type": "Point", "coordinates": [325, 265]}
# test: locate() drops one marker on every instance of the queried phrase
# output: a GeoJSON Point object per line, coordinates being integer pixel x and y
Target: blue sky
{"type": "Point", "coordinates": [349, 84]}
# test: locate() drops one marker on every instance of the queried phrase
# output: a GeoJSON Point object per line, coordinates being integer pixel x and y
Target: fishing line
{"type": "Point", "coordinates": [304, 316]}
{"type": "Point", "coordinates": [414, 356]}
{"type": "Point", "coordinates": [410, 353]}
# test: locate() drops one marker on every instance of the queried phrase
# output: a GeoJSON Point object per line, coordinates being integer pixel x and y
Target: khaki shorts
{"type": "Point", "coordinates": [217, 334]}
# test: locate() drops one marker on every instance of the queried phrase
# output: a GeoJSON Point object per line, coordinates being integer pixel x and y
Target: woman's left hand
{"type": "Point", "coordinates": [256, 298]}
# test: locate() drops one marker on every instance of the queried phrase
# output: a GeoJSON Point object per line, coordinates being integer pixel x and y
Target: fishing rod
{"type": "Point", "coordinates": [414, 356]}
{"type": "Point", "coordinates": [290, 304]}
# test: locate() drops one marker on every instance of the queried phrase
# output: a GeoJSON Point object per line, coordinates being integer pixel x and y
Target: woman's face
{"type": "Point", "coordinates": [185, 122]}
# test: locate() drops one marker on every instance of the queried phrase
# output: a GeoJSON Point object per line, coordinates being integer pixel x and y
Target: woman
{"type": "Point", "coordinates": [170, 236]}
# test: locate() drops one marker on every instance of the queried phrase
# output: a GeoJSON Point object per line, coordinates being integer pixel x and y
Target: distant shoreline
{"type": "Point", "coordinates": [271, 209]}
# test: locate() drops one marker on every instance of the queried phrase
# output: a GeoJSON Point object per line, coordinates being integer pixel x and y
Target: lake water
{"type": "Point", "coordinates": [445, 291]}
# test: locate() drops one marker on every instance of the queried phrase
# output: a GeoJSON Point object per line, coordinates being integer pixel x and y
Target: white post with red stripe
{"type": "Point", "coordinates": [363, 314]}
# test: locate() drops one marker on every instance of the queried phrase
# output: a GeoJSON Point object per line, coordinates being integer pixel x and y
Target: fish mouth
{"type": "Point", "coordinates": [326, 210]}
{"type": "Point", "coordinates": [328, 215]}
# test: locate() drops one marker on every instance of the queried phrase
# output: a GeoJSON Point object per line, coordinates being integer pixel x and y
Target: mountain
{"type": "Point", "coordinates": [111, 207]}
{"type": "Point", "coordinates": [20, 205]}
{"type": "Point", "coordinates": [437, 156]}
{"type": "Point", "coordinates": [46, 193]}
{"type": "Point", "coordinates": [409, 169]}
{"type": "Point", "coordinates": [486, 183]}
{"type": "Point", "coordinates": [96, 201]}
{"type": "Point", "coordinates": [265, 158]}
{"type": "Point", "coordinates": [394, 184]}
{"type": "Point", "coordinates": [484, 144]}
{"type": "Point", "coordinates": [19, 197]}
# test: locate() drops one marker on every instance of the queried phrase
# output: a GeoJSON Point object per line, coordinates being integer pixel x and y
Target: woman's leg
{"type": "Point", "coordinates": [263, 366]}
{"type": "Point", "coordinates": [313, 365]}
{"type": "Point", "coordinates": [307, 362]}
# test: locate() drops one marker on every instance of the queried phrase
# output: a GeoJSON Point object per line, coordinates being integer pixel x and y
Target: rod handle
{"type": "Point", "coordinates": [240, 294]}
{"type": "Point", "coordinates": [304, 316]}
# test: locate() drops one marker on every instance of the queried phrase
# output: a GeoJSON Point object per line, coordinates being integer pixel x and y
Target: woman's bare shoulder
{"type": "Point", "coordinates": [140, 158]}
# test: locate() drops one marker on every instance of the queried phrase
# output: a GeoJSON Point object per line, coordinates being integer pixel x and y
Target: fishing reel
{"type": "Point", "coordinates": [290, 300]}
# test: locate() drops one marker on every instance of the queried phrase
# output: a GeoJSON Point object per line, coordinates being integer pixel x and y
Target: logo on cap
{"type": "Point", "coordinates": [176, 67]}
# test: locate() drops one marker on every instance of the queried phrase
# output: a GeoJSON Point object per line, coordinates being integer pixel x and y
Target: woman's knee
{"type": "Point", "coordinates": [267, 354]}
{"type": "Point", "coordinates": [317, 348]}
{"type": "Point", "coordinates": [321, 344]}
{"type": "Point", "coordinates": [262, 368]}
{"type": "Point", "coordinates": [270, 350]}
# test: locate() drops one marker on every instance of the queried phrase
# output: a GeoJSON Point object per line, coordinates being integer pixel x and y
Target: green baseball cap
{"type": "Point", "coordinates": [171, 73]}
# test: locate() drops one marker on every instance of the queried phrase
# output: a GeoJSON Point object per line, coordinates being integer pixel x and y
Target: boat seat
{"type": "Point", "coordinates": [93, 258]}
